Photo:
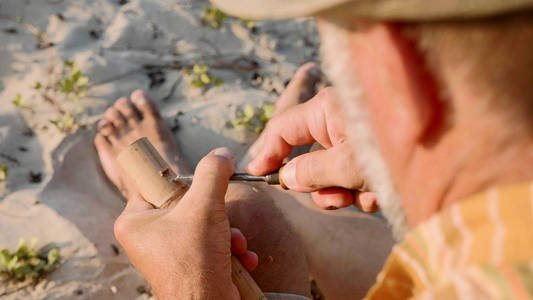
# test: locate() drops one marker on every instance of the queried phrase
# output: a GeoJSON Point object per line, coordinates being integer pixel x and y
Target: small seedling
{"type": "Point", "coordinates": [64, 123]}
{"type": "Point", "coordinates": [213, 17]}
{"type": "Point", "coordinates": [252, 119]}
{"type": "Point", "coordinates": [74, 83]}
{"type": "Point", "coordinates": [20, 102]}
{"type": "Point", "coordinates": [37, 85]}
{"type": "Point", "coordinates": [200, 77]}
{"type": "Point", "coordinates": [3, 171]}
{"type": "Point", "coordinates": [26, 262]}
{"type": "Point", "coordinates": [247, 23]}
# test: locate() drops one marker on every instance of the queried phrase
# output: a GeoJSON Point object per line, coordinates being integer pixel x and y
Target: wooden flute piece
{"type": "Point", "coordinates": [155, 180]}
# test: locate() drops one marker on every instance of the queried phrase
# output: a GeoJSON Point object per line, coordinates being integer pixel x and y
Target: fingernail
{"type": "Point", "coordinates": [250, 168]}
{"type": "Point", "coordinates": [288, 175]}
{"type": "Point", "coordinates": [226, 153]}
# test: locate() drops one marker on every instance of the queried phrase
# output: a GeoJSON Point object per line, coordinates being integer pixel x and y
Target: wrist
{"type": "Point", "coordinates": [192, 286]}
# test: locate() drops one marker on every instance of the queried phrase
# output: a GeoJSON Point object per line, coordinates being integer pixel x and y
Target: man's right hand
{"type": "Point", "coordinates": [332, 175]}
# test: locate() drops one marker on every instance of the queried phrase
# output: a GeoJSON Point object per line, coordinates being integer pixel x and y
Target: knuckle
{"type": "Point", "coordinates": [304, 173]}
{"type": "Point", "coordinates": [121, 229]}
{"type": "Point", "coordinates": [325, 94]}
{"type": "Point", "coordinates": [214, 163]}
{"type": "Point", "coordinates": [272, 126]}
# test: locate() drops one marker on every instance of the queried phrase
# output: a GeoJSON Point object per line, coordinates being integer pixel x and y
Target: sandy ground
{"type": "Point", "coordinates": [72, 206]}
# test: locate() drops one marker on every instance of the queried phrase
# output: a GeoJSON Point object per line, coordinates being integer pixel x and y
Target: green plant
{"type": "Point", "coordinates": [3, 171]}
{"type": "Point", "coordinates": [26, 262]}
{"type": "Point", "coordinates": [64, 122]}
{"type": "Point", "coordinates": [253, 119]}
{"type": "Point", "coordinates": [74, 83]}
{"type": "Point", "coordinates": [248, 23]}
{"type": "Point", "coordinates": [200, 77]}
{"type": "Point", "coordinates": [213, 17]}
{"type": "Point", "coordinates": [20, 102]}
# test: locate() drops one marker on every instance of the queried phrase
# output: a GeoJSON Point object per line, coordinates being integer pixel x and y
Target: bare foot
{"type": "Point", "coordinates": [125, 122]}
{"type": "Point", "coordinates": [301, 88]}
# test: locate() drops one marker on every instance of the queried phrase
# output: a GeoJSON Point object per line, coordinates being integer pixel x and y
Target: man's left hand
{"type": "Point", "coordinates": [185, 251]}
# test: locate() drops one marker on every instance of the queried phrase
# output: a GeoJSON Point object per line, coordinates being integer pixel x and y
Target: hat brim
{"type": "Point", "coordinates": [409, 10]}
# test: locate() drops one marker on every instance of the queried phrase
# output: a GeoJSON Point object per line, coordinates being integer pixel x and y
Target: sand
{"type": "Point", "coordinates": [68, 203]}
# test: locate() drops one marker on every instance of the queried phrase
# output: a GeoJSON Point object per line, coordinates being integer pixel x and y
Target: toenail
{"type": "Point", "coordinates": [102, 124]}
{"type": "Point", "coordinates": [122, 101]}
{"type": "Point", "coordinates": [138, 99]}
{"type": "Point", "coordinates": [315, 72]}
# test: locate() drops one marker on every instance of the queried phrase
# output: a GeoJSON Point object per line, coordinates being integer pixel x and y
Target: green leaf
{"type": "Point", "coordinates": [249, 112]}
{"type": "Point", "coordinates": [217, 81]}
{"type": "Point", "coordinates": [247, 23]}
{"type": "Point", "coordinates": [12, 264]}
{"type": "Point", "coordinates": [64, 123]}
{"type": "Point", "coordinates": [83, 81]}
{"type": "Point", "coordinates": [205, 78]}
{"type": "Point", "coordinates": [26, 262]}
{"type": "Point", "coordinates": [213, 17]}
{"type": "Point", "coordinates": [20, 102]}
{"type": "Point", "coordinates": [5, 257]}
{"type": "Point", "coordinates": [37, 85]}
{"type": "Point", "coordinates": [68, 63]}
{"type": "Point", "coordinates": [200, 69]}
{"type": "Point", "coordinates": [3, 173]}
{"type": "Point", "coordinates": [52, 256]}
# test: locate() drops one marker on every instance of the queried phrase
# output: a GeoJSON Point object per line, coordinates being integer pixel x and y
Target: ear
{"type": "Point", "coordinates": [400, 91]}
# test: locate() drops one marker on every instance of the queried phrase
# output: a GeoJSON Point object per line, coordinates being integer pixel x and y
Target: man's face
{"type": "Point", "coordinates": [339, 66]}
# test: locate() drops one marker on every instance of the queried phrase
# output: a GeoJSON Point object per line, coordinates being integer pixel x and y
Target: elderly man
{"type": "Point", "coordinates": [430, 109]}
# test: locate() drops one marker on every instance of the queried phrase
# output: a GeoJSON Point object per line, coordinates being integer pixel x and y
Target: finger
{"type": "Point", "coordinates": [299, 125]}
{"type": "Point", "coordinates": [367, 202]}
{"type": "Point", "coordinates": [333, 198]}
{"type": "Point", "coordinates": [333, 167]}
{"type": "Point", "coordinates": [249, 260]}
{"type": "Point", "coordinates": [211, 179]}
{"type": "Point", "coordinates": [238, 242]}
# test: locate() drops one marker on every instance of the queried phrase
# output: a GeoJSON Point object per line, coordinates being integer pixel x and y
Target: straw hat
{"type": "Point", "coordinates": [401, 10]}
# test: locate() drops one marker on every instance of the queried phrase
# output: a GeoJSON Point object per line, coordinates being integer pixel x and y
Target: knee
{"type": "Point", "coordinates": [269, 235]}
{"type": "Point", "coordinates": [250, 209]}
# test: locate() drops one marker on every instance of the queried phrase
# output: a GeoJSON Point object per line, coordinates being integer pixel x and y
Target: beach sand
{"type": "Point", "coordinates": [55, 190]}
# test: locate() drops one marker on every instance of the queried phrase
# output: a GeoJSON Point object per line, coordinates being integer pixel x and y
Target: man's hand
{"type": "Point", "coordinates": [331, 175]}
{"type": "Point", "coordinates": [185, 251]}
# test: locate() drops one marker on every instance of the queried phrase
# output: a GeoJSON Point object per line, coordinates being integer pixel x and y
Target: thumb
{"type": "Point", "coordinates": [334, 167]}
{"type": "Point", "coordinates": [211, 179]}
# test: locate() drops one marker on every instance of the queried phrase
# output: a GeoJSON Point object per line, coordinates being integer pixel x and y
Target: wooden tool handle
{"type": "Point", "coordinates": [154, 179]}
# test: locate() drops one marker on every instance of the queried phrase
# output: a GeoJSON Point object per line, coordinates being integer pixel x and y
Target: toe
{"type": "Point", "coordinates": [104, 127]}
{"type": "Point", "coordinates": [146, 107]}
{"type": "Point", "coordinates": [102, 143]}
{"type": "Point", "coordinates": [126, 109]}
{"type": "Point", "coordinates": [115, 118]}
{"type": "Point", "coordinates": [301, 88]}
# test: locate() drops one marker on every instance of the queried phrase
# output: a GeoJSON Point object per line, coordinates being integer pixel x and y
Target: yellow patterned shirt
{"type": "Point", "coordinates": [479, 248]}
